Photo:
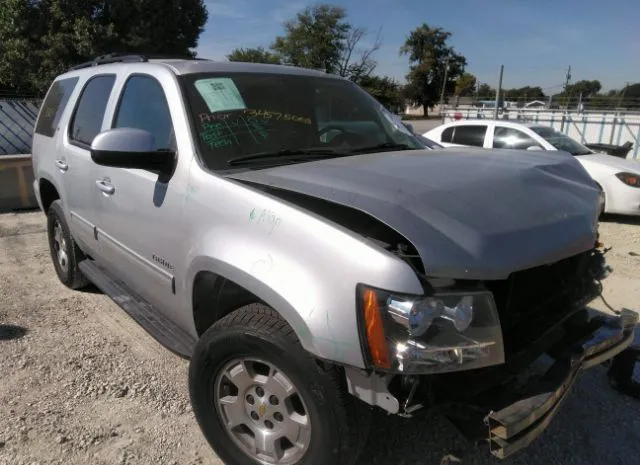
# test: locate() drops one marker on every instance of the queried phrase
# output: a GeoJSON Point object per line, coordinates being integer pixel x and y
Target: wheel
{"type": "Point", "coordinates": [65, 253]}
{"type": "Point", "coordinates": [260, 398]}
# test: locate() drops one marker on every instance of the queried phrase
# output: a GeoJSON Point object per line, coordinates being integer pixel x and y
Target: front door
{"type": "Point", "coordinates": [139, 211]}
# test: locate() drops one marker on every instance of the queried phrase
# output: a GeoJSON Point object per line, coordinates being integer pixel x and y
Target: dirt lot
{"type": "Point", "coordinates": [84, 385]}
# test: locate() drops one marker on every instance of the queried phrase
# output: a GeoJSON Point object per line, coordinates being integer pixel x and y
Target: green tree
{"type": "Point", "coordinates": [253, 55]}
{"type": "Point", "coordinates": [633, 91]}
{"type": "Point", "coordinates": [16, 19]}
{"type": "Point", "coordinates": [581, 90]}
{"type": "Point", "coordinates": [40, 39]}
{"type": "Point", "coordinates": [465, 85]}
{"type": "Point", "coordinates": [384, 89]}
{"type": "Point", "coordinates": [315, 38]}
{"type": "Point", "coordinates": [629, 97]}
{"type": "Point", "coordinates": [601, 102]}
{"type": "Point", "coordinates": [524, 94]}
{"type": "Point", "coordinates": [486, 92]}
{"type": "Point", "coordinates": [586, 88]}
{"type": "Point", "coordinates": [429, 56]}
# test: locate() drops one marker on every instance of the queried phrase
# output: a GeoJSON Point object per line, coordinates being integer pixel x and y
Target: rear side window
{"type": "Point", "coordinates": [143, 105]}
{"type": "Point", "coordinates": [447, 134]}
{"type": "Point", "coordinates": [469, 135]}
{"type": "Point", "coordinates": [53, 106]}
{"type": "Point", "coordinates": [87, 120]}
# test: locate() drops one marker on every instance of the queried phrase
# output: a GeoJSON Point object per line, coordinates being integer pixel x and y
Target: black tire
{"type": "Point", "coordinates": [69, 274]}
{"type": "Point", "coordinates": [339, 422]}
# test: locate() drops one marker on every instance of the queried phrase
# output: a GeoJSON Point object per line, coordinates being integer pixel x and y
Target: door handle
{"type": "Point", "coordinates": [105, 186]}
{"type": "Point", "coordinates": [62, 165]}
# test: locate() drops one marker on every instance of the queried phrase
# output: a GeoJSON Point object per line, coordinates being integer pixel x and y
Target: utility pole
{"type": "Point", "coordinates": [579, 102]}
{"type": "Point", "coordinates": [495, 111]}
{"type": "Point", "coordinates": [567, 79]}
{"type": "Point", "coordinates": [444, 84]}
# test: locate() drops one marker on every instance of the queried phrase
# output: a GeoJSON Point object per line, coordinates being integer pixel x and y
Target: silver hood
{"type": "Point", "coordinates": [470, 215]}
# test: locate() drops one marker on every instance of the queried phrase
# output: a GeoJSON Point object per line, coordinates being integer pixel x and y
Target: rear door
{"type": "Point", "coordinates": [75, 158]}
{"type": "Point", "coordinates": [46, 145]}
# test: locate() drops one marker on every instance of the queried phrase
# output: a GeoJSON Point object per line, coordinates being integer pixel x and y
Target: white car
{"type": "Point", "coordinates": [618, 178]}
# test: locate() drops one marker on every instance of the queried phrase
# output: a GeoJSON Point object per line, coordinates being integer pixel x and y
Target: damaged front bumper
{"type": "Point", "coordinates": [515, 426]}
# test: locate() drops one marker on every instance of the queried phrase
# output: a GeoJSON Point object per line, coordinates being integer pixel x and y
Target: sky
{"type": "Point", "coordinates": [535, 40]}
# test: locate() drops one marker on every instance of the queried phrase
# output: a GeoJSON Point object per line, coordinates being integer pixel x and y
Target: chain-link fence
{"type": "Point", "coordinates": [570, 102]}
{"type": "Point", "coordinates": [17, 119]}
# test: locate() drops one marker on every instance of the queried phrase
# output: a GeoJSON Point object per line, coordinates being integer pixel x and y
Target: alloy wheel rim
{"type": "Point", "coordinates": [262, 411]}
{"type": "Point", "coordinates": [60, 247]}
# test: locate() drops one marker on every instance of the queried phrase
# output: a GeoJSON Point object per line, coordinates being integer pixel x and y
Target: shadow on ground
{"type": "Point", "coordinates": [10, 332]}
{"type": "Point", "coordinates": [91, 289]}
{"type": "Point", "coordinates": [621, 219]}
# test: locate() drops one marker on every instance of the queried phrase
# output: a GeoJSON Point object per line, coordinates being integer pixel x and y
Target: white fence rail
{"type": "Point", "coordinates": [587, 127]}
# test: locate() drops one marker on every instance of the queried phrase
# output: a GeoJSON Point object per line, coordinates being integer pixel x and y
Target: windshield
{"type": "Point", "coordinates": [274, 118]}
{"type": "Point", "coordinates": [561, 141]}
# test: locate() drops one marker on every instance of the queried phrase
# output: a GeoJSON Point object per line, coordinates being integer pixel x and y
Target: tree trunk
{"type": "Point", "coordinates": [425, 109]}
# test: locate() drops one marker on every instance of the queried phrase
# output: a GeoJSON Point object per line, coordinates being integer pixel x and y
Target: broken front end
{"type": "Point", "coordinates": [498, 357]}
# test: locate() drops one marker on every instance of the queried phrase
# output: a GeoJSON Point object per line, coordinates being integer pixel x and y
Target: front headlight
{"type": "Point", "coordinates": [430, 334]}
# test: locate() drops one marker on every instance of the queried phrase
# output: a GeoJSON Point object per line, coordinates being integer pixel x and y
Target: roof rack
{"type": "Point", "coordinates": [128, 58]}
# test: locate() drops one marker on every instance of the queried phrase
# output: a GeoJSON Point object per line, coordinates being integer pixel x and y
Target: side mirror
{"type": "Point", "coordinates": [131, 148]}
{"type": "Point", "coordinates": [534, 148]}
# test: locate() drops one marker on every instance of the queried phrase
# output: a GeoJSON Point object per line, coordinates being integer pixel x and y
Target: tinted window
{"type": "Point", "coordinates": [53, 106]}
{"type": "Point", "coordinates": [509, 138]}
{"type": "Point", "coordinates": [143, 105]}
{"type": "Point", "coordinates": [87, 120]}
{"type": "Point", "coordinates": [447, 135]}
{"type": "Point", "coordinates": [469, 135]}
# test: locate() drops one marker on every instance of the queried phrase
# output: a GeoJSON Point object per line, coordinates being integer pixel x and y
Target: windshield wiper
{"type": "Point", "coordinates": [385, 146]}
{"type": "Point", "coordinates": [307, 154]}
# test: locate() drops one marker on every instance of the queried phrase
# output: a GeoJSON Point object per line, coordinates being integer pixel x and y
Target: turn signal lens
{"type": "Point", "coordinates": [375, 330]}
{"type": "Point", "coordinates": [630, 179]}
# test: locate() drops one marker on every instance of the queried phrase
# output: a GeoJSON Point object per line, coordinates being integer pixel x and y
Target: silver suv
{"type": "Point", "coordinates": [315, 262]}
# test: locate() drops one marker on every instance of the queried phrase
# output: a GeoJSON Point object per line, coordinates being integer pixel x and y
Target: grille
{"type": "Point", "coordinates": [532, 301]}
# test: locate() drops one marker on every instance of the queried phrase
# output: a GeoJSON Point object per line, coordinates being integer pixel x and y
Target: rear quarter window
{"type": "Point", "coordinates": [469, 135]}
{"type": "Point", "coordinates": [53, 106]}
{"type": "Point", "coordinates": [447, 135]}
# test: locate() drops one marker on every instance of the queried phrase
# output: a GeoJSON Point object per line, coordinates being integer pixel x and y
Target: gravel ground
{"type": "Point", "coordinates": [85, 385]}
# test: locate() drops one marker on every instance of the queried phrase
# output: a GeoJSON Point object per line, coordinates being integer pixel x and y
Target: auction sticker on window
{"type": "Point", "coordinates": [220, 94]}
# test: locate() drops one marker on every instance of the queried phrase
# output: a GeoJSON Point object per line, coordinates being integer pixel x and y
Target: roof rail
{"type": "Point", "coordinates": [128, 58]}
